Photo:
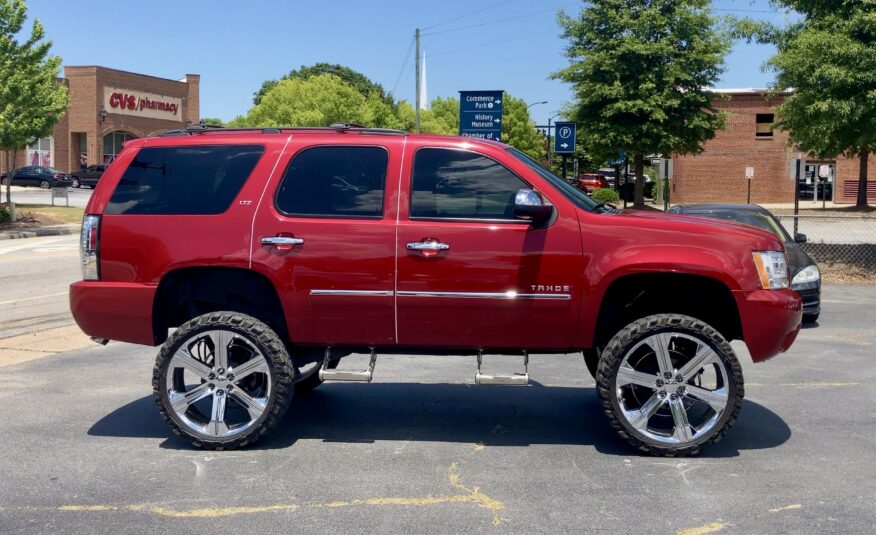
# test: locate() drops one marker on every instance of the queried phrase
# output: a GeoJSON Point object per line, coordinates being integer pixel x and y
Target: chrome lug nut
{"type": "Point", "coordinates": [229, 377]}
{"type": "Point", "coordinates": [659, 382]}
{"type": "Point", "coordinates": [212, 376]}
{"type": "Point", "coordinates": [661, 394]}
{"type": "Point", "coordinates": [668, 375]}
{"type": "Point", "coordinates": [673, 397]}
{"type": "Point", "coordinates": [680, 390]}
{"type": "Point", "coordinates": [211, 386]}
{"type": "Point", "coordinates": [220, 371]}
{"type": "Point", "coordinates": [229, 388]}
{"type": "Point", "coordinates": [220, 392]}
{"type": "Point", "coordinates": [679, 379]}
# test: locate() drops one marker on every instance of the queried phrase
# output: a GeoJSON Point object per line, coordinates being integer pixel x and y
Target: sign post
{"type": "Point", "coordinates": [564, 141]}
{"type": "Point", "coordinates": [480, 114]}
{"type": "Point", "coordinates": [749, 174]}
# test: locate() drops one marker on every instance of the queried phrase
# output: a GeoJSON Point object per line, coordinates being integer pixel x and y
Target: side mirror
{"type": "Point", "coordinates": [799, 237]}
{"type": "Point", "coordinates": [529, 205]}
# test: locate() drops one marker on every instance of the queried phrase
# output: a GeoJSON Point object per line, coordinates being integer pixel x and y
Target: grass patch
{"type": "Point", "coordinates": [64, 214]}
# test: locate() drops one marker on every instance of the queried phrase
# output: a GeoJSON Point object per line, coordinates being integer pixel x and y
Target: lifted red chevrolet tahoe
{"type": "Point", "coordinates": [260, 257]}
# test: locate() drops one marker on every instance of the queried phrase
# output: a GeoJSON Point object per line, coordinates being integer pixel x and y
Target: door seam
{"type": "Point", "coordinates": [252, 237]}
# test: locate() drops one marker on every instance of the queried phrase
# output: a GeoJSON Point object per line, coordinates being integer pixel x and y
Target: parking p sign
{"type": "Point", "coordinates": [564, 139]}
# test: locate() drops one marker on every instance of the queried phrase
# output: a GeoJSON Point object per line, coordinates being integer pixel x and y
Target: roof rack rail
{"type": "Point", "coordinates": [203, 128]}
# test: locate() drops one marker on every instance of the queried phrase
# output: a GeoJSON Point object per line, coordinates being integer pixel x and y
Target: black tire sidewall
{"type": "Point", "coordinates": [701, 332]}
{"type": "Point", "coordinates": [194, 327]}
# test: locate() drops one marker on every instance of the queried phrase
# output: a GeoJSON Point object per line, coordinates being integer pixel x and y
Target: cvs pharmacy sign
{"type": "Point", "coordinates": [129, 102]}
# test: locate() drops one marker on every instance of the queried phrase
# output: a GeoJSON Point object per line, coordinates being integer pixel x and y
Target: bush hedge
{"type": "Point", "coordinates": [605, 195]}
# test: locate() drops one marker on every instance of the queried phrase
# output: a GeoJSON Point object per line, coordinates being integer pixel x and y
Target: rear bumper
{"type": "Point", "coordinates": [770, 321]}
{"type": "Point", "coordinates": [115, 310]}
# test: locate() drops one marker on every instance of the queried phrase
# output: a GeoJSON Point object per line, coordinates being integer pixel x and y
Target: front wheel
{"type": "Point", "coordinates": [76, 183]}
{"type": "Point", "coordinates": [45, 184]}
{"type": "Point", "coordinates": [670, 384]}
{"type": "Point", "coordinates": [223, 379]}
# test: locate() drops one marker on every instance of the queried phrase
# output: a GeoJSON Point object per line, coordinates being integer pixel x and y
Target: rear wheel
{"type": "Point", "coordinates": [76, 183]}
{"type": "Point", "coordinates": [45, 184]}
{"type": "Point", "coordinates": [223, 379]}
{"type": "Point", "coordinates": [670, 384]}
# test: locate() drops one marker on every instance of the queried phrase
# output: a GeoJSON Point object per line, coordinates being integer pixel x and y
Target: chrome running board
{"type": "Point", "coordinates": [515, 379]}
{"type": "Point", "coordinates": [357, 376]}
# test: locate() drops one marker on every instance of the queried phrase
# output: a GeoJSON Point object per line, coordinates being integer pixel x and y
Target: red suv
{"type": "Point", "coordinates": [258, 258]}
{"type": "Point", "coordinates": [589, 182]}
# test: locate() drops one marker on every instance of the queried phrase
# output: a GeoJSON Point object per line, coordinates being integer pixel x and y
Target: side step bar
{"type": "Point", "coordinates": [358, 376]}
{"type": "Point", "coordinates": [515, 379]}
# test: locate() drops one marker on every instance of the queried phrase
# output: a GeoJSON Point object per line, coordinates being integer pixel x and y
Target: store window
{"type": "Point", "coordinates": [112, 144]}
{"type": "Point", "coordinates": [764, 127]}
{"type": "Point", "coordinates": [40, 152]}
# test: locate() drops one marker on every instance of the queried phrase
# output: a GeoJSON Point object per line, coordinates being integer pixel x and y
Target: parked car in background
{"type": "Point", "coordinates": [805, 277]}
{"type": "Point", "coordinates": [88, 176]}
{"type": "Point", "coordinates": [589, 182]}
{"type": "Point", "coordinates": [35, 175]}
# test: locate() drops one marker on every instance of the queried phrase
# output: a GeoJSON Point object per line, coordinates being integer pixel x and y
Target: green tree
{"type": "Point", "coordinates": [315, 101]}
{"type": "Point", "coordinates": [639, 71]}
{"type": "Point", "coordinates": [32, 98]}
{"type": "Point", "coordinates": [356, 79]}
{"type": "Point", "coordinates": [518, 129]}
{"type": "Point", "coordinates": [827, 63]}
{"type": "Point", "coordinates": [215, 121]}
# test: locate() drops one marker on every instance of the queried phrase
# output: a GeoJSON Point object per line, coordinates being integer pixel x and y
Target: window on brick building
{"type": "Point", "coordinates": [764, 126]}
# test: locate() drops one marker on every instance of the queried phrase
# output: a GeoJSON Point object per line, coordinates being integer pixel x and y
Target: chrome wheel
{"type": "Point", "coordinates": [45, 184]}
{"type": "Point", "coordinates": [76, 183]}
{"type": "Point", "coordinates": [672, 388]}
{"type": "Point", "coordinates": [218, 384]}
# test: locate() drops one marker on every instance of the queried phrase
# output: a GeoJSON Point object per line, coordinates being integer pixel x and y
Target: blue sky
{"type": "Point", "coordinates": [236, 45]}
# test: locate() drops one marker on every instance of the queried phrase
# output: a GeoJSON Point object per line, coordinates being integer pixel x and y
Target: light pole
{"type": "Point", "coordinates": [551, 118]}
{"type": "Point", "coordinates": [535, 104]}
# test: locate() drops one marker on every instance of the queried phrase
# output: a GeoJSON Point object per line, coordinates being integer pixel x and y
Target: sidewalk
{"type": "Point", "coordinates": [56, 230]}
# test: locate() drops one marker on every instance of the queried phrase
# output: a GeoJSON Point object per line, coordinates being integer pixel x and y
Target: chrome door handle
{"type": "Point", "coordinates": [281, 240]}
{"type": "Point", "coordinates": [427, 245]}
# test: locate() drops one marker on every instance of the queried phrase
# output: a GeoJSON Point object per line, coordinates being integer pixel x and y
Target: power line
{"type": "Point", "coordinates": [519, 37]}
{"type": "Point", "coordinates": [404, 64]}
{"type": "Point", "coordinates": [467, 15]}
{"type": "Point", "coordinates": [497, 21]}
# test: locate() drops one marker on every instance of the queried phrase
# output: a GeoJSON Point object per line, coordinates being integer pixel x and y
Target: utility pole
{"type": "Point", "coordinates": [417, 76]}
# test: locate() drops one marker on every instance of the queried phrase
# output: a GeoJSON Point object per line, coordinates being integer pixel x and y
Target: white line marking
{"type": "Point", "coordinates": [34, 298]}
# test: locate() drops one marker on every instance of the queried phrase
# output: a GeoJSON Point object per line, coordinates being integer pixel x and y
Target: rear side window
{"type": "Point", "coordinates": [334, 181]}
{"type": "Point", "coordinates": [184, 180]}
{"type": "Point", "coordinates": [457, 184]}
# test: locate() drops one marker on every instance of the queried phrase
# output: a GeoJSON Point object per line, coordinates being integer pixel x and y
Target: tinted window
{"type": "Point", "coordinates": [184, 180]}
{"type": "Point", "coordinates": [459, 184]}
{"type": "Point", "coordinates": [335, 182]}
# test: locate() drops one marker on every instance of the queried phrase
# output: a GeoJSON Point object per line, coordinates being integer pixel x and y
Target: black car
{"type": "Point", "coordinates": [35, 175]}
{"type": "Point", "coordinates": [88, 176]}
{"type": "Point", "coordinates": [805, 277]}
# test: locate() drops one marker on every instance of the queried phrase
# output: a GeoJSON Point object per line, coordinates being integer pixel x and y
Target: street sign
{"type": "Point", "coordinates": [480, 114]}
{"type": "Point", "coordinates": [749, 173]}
{"type": "Point", "coordinates": [564, 138]}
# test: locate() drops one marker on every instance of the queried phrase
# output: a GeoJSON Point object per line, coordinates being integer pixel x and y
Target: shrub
{"type": "Point", "coordinates": [4, 215]}
{"type": "Point", "coordinates": [605, 195]}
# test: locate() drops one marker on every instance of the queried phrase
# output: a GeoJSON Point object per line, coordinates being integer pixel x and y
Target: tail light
{"type": "Point", "coordinates": [58, 176]}
{"type": "Point", "coordinates": [89, 247]}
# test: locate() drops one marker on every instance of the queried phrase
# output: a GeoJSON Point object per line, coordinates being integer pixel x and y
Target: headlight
{"type": "Point", "coordinates": [772, 267]}
{"type": "Point", "coordinates": [807, 274]}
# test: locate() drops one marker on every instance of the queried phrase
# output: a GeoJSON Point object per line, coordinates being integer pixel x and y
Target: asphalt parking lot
{"type": "Point", "coordinates": [423, 450]}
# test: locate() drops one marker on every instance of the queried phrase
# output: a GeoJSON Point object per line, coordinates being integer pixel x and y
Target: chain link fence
{"type": "Point", "coordinates": [844, 246]}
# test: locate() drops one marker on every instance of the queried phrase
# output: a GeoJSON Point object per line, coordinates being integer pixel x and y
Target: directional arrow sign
{"type": "Point", "coordinates": [480, 114]}
{"type": "Point", "coordinates": [564, 140]}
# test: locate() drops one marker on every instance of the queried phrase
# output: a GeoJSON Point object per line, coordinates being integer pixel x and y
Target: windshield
{"type": "Point", "coordinates": [762, 221]}
{"type": "Point", "coordinates": [578, 197]}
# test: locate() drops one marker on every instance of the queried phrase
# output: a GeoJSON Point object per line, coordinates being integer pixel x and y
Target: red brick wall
{"type": "Point", "coordinates": [718, 173]}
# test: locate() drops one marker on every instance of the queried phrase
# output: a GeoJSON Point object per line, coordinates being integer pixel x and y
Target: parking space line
{"type": "Point", "coordinates": [472, 495]}
{"type": "Point", "coordinates": [34, 298]}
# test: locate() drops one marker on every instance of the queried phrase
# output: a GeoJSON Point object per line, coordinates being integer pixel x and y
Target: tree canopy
{"type": "Point", "coordinates": [640, 72]}
{"type": "Point", "coordinates": [359, 81]}
{"type": "Point", "coordinates": [32, 98]}
{"type": "Point", "coordinates": [312, 96]}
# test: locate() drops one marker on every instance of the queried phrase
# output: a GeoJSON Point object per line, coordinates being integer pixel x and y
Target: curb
{"type": "Point", "coordinates": [60, 230]}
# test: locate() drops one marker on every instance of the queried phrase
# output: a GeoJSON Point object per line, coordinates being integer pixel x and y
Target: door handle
{"type": "Point", "coordinates": [281, 243]}
{"type": "Point", "coordinates": [428, 246]}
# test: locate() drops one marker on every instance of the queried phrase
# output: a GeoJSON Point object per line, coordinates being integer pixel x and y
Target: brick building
{"type": "Point", "coordinates": [718, 174]}
{"type": "Point", "coordinates": [107, 108]}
